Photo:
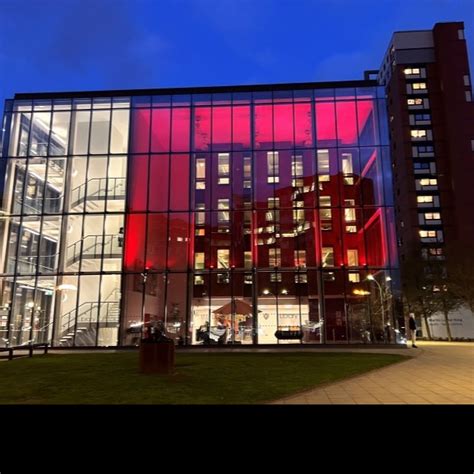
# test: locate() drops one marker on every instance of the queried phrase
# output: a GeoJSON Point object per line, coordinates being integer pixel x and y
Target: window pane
{"type": "Point", "coordinates": [325, 124]}
{"type": "Point", "coordinates": [100, 131]}
{"type": "Point", "coordinates": [119, 137]}
{"type": "Point", "coordinates": [159, 180]}
{"type": "Point", "coordinates": [263, 126]}
{"type": "Point", "coordinates": [81, 132]}
{"type": "Point", "coordinates": [303, 125]}
{"type": "Point", "coordinates": [60, 133]}
{"type": "Point", "coordinates": [241, 127]}
{"type": "Point", "coordinates": [180, 129]}
{"type": "Point", "coordinates": [161, 126]}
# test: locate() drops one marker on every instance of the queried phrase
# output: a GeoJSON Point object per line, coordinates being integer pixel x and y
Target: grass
{"type": "Point", "coordinates": [225, 378]}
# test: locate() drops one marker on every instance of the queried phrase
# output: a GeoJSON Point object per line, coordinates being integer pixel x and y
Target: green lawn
{"type": "Point", "coordinates": [213, 378]}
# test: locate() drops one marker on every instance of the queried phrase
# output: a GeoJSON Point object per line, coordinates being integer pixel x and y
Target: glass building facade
{"type": "Point", "coordinates": [235, 215]}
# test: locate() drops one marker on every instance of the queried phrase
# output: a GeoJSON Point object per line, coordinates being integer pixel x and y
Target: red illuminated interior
{"type": "Point", "coordinates": [160, 177]}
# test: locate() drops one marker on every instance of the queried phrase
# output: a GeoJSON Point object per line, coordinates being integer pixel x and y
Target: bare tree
{"type": "Point", "coordinates": [417, 289]}
{"type": "Point", "coordinates": [444, 298]}
{"type": "Point", "coordinates": [461, 273]}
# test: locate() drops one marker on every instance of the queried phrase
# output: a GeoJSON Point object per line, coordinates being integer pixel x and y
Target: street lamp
{"type": "Point", "coordinates": [371, 277]}
{"type": "Point", "coordinates": [144, 276]}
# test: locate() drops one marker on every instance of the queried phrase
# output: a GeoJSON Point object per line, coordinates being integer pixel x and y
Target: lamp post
{"type": "Point", "coordinates": [144, 275]}
{"type": "Point", "coordinates": [371, 277]}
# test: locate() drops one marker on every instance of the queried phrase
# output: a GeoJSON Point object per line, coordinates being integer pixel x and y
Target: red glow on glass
{"type": "Point", "coordinates": [180, 129]}
{"type": "Point", "coordinates": [202, 128]}
{"type": "Point", "coordinates": [141, 130]}
{"type": "Point", "coordinates": [346, 123]}
{"type": "Point", "coordinates": [221, 126]}
{"type": "Point", "coordinates": [156, 240]}
{"type": "Point", "coordinates": [283, 124]}
{"type": "Point", "coordinates": [303, 125]}
{"type": "Point", "coordinates": [161, 127]}
{"type": "Point", "coordinates": [375, 236]}
{"type": "Point", "coordinates": [159, 179]}
{"type": "Point", "coordinates": [241, 126]}
{"type": "Point", "coordinates": [179, 183]}
{"type": "Point", "coordinates": [134, 254]}
{"type": "Point", "coordinates": [325, 122]}
{"type": "Point", "coordinates": [138, 178]}
{"type": "Point", "coordinates": [264, 126]}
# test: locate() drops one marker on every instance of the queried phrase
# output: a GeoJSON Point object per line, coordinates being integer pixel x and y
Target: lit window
{"type": "Point", "coordinates": [275, 277]}
{"type": "Point", "coordinates": [353, 258]}
{"type": "Point", "coordinates": [351, 229]}
{"type": "Point", "coordinates": [323, 165]}
{"type": "Point", "coordinates": [301, 278]}
{"type": "Point", "coordinates": [415, 101]}
{"type": "Point", "coordinates": [223, 168]}
{"type": "Point", "coordinates": [200, 173]}
{"type": "Point", "coordinates": [300, 258]}
{"type": "Point", "coordinates": [248, 259]}
{"type": "Point", "coordinates": [427, 233]}
{"type": "Point", "coordinates": [429, 182]}
{"type": "Point", "coordinates": [298, 216]}
{"type": "Point", "coordinates": [199, 260]}
{"type": "Point", "coordinates": [247, 172]}
{"type": "Point", "coordinates": [297, 166]}
{"type": "Point", "coordinates": [324, 201]}
{"type": "Point", "coordinates": [223, 258]}
{"type": "Point", "coordinates": [200, 215]}
{"type": "Point", "coordinates": [432, 216]}
{"type": "Point", "coordinates": [422, 199]}
{"type": "Point", "coordinates": [223, 214]}
{"type": "Point", "coordinates": [411, 71]}
{"type": "Point", "coordinates": [297, 170]}
{"type": "Point", "coordinates": [274, 257]}
{"type": "Point", "coordinates": [347, 168]}
{"type": "Point", "coordinates": [328, 256]}
{"type": "Point", "coordinates": [325, 214]}
{"type": "Point", "coordinates": [419, 85]}
{"type": "Point", "coordinates": [198, 280]}
{"type": "Point", "coordinates": [353, 277]}
{"type": "Point", "coordinates": [273, 215]}
{"type": "Point", "coordinates": [418, 133]}
{"type": "Point", "coordinates": [200, 168]}
{"type": "Point", "coordinates": [272, 167]}
{"type": "Point", "coordinates": [349, 212]}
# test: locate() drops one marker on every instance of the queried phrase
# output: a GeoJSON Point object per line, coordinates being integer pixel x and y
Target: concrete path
{"type": "Point", "coordinates": [438, 373]}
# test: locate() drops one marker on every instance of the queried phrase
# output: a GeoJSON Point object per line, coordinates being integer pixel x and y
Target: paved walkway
{"type": "Point", "coordinates": [439, 373]}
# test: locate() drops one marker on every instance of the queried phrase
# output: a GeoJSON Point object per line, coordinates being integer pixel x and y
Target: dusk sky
{"type": "Point", "coordinates": [69, 45]}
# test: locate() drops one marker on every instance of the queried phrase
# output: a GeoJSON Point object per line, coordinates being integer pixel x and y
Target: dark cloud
{"type": "Point", "coordinates": [83, 39]}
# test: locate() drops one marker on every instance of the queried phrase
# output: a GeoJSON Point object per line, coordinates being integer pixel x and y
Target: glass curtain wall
{"type": "Point", "coordinates": [257, 217]}
{"type": "Point", "coordinates": [63, 234]}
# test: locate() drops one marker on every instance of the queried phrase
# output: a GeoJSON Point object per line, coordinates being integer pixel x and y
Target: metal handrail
{"type": "Point", "coordinates": [106, 188]}
{"type": "Point", "coordinates": [91, 306]}
{"type": "Point", "coordinates": [96, 249]}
